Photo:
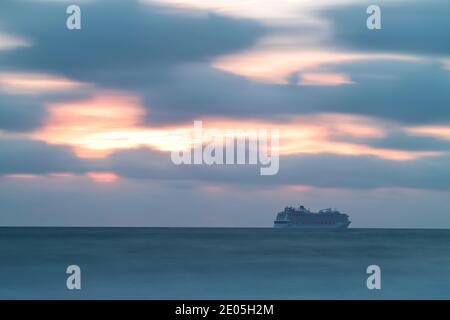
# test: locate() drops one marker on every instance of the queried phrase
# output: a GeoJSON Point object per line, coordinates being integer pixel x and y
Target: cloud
{"type": "Point", "coordinates": [368, 172]}
{"type": "Point", "coordinates": [94, 126]}
{"type": "Point", "coordinates": [408, 92]}
{"type": "Point", "coordinates": [34, 83]}
{"type": "Point", "coordinates": [401, 140]}
{"type": "Point", "coordinates": [318, 170]}
{"type": "Point", "coordinates": [19, 156]}
{"type": "Point", "coordinates": [20, 113]}
{"type": "Point", "coordinates": [10, 42]}
{"type": "Point", "coordinates": [275, 65]}
{"type": "Point", "coordinates": [25, 108]}
{"type": "Point", "coordinates": [163, 57]}
{"type": "Point", "coordinates": [100, 125]}
{"type": "Point", "coordinates": [323, 79]}
{"type": "Point", "coordinates": [118, 35]}
{"type": "Point", "coordinates": [440, 131]}
{"type": "Point", "coordinates": [414, 27]}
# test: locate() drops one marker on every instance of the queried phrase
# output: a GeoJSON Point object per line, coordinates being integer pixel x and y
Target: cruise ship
{"type": "Point", "coordinates": [303, 218]}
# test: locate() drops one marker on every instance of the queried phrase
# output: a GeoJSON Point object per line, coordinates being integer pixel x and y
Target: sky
{"type": "Point", "coordinates": [89, 118]}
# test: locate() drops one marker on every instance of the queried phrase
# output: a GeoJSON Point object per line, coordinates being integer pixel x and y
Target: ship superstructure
{"type": "Point", "coordinates": [304, 218]}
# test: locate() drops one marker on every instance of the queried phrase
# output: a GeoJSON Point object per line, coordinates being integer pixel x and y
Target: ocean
{"type": "Point", "coordinates": [228, 263]}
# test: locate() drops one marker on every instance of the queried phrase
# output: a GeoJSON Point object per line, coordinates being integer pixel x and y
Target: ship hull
{"type": "Point", "coordinates": [288, 225]}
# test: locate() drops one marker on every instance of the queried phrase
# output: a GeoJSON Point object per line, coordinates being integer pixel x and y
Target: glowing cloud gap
{"type": "Point", "coordinates": [103, 177]}
{"type": "Point", "coordinates": [275, 66]}
{"type": "Point", "coordinates": [442, 132]}
{"type": "Point", "coordinates": [257, 9]}
{"type": "Point", "coordinates": [26, 83]}
{"type": "Point", "coordinates": [324, 79]}
{"type": "Point", "coordinates": [99, 126]}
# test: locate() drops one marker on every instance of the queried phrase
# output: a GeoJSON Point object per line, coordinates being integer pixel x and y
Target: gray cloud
{"type": "Point", "coordinates": [36, 157]}
{"type": "Point", "coordinates": [20, 113]}
{"type": "Point", "coordinates": [163, 58]}
{"type": "Point", "coordinates": [408, 26]}
{"type": "Point", "coordinates": [410, 92]}
{"type": "Point", "coordinates": [399, 140]}
{"type": "Point", "coordinates": [323, 171]}
{"type": "Point", "coordinates": [369, 172]}
{"type": "Point", "coordinates": [117, 35]}
{"type": "Point", "coordinates": [122, 45]}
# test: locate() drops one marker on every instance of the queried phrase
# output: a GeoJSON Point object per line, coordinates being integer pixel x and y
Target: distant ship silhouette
{"type": "Point", "coordinates": [303, 218]}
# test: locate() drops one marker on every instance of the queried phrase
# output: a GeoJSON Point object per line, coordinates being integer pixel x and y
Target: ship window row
{"type": "Point", "coordinates": [319, 222]}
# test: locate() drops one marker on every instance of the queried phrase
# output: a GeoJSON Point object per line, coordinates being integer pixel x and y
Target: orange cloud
{"type": "Point", "coordinates": [324, 79]}
{"type": "Point", "coordinates": [103, 177]}
{"type": "Point", "coordinates": [98, 126]}
{"type": "Point", "coordinates": [296, 188]}
{"type": "Point", "coordinates": [94, 127]}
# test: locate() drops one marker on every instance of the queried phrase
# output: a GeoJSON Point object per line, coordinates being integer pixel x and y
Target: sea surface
{"type": "Point", "coordinates": [214, 263]}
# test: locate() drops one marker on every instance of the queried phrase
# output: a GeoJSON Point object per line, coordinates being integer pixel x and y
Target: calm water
{"type": "Point", "coordinates": [176, 263]}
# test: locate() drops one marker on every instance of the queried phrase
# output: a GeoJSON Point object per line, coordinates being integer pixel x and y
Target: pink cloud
{"type": "Point", "coordinates": [31, 83]}
{"type": "Point", "coordinates": [324, 79]}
